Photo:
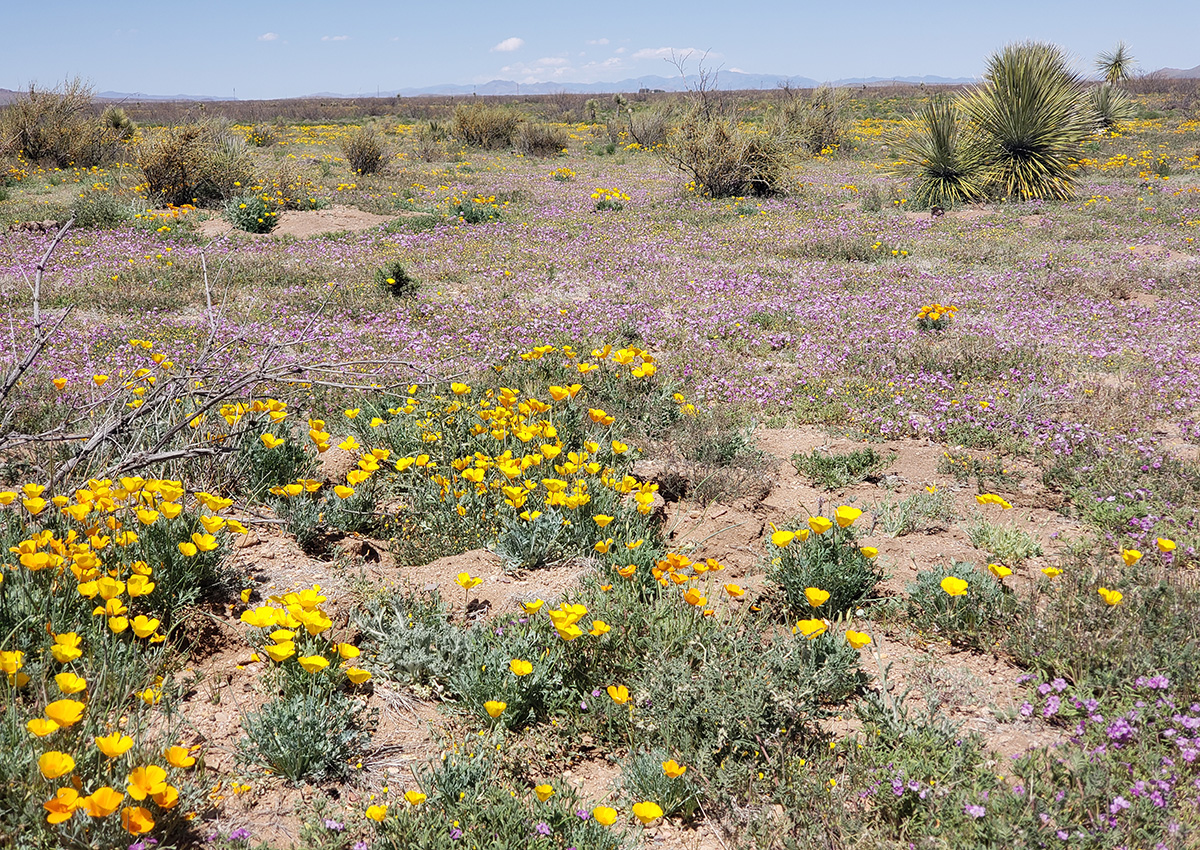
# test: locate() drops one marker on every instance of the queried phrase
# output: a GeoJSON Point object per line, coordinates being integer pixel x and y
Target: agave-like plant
{"type": "Point", "coordinates": [1110, 106]}
{"type": "Point", "coordinates": [1116, 66]}
{"type": "Point", "coordinates": [1028, 121]}
{"type": "Point", "coordinates": [945, 169]}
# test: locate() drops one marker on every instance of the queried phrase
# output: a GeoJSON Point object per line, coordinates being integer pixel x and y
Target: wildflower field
{"type": "Point", "coordinates": [528, 495]}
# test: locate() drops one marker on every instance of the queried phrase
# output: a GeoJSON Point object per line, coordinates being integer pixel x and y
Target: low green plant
{"type": "Point", "coordinates": [1005, 543]}
{"type": "Point", "coordinates": [991, 474]}
{"type": "Point", "coordinates": [609, 199]}
{"type": "Point", "coordinates": [395, 280]}
{"type": "Point", "coordinates": [833, 471]}
{"type": "Point", "coordinates": [923, 511]}
{"type": "Point", "coordinates": [973, 616]}
{"type": "Point", "coordinates": [364, 151]}
{"type": "Point", "coordinates": [311, 735]}
{"type": "Point", "coordinates": [410, 637]}
{"type": "Point", "coordinates": [477, 210]}
{"type": "Point", "coordinates": [251, 214]}
{"type": "Point", "coordinates": [830, 561]}
{"type": "Point", "coordinates": [101, 208]}
{"type": "Point", "coordinates": [945, 170]}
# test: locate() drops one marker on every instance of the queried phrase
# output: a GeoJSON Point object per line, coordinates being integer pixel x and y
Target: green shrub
{"type": "Point", "coordinates": [310, 735]}
{"type": "Point", "coordinates": [537, 139]}
{"type": "Point", "coordinates": [101, 208]}
{"type": "Point", "coordinates": [834, 471]}
{"type": "Point", "coordinates": [818, 123]}
{"type": "Point", "coordinates": [725, 159]}
{"type": "Point", "coordinates": [650, 127]}
{"type": "Point", "coordinates": [58, 126]}
{"type": "Point", "coordinates": [364, 150]}
{"type": "Point", "coordinates": [251, 214]}
{"type": "Point", "coordinates": [481, 126]}
{"type": "Point", "coordinates": [394, 279]}
{"type": "Point", "coordinates": [971, 619]}
{"type": "Point", "coordinates": [198, 163]}
{"type": "Point", "coordinates": [832, 562]}
{"type": "Point", "coordinates": [409, 635]}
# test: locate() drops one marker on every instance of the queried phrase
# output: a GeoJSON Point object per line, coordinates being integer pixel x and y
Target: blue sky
{"type": "Point", "coordinates": [274, 49]}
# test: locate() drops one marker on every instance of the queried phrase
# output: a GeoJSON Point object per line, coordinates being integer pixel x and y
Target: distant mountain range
{"type": "Point", "coordinates": [725, 81]}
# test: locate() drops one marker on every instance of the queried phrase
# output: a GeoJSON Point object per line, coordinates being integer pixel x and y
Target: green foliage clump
{"type": "Point", "coordinates": [538, 139]}
{"type": "Point", "coordinates": [477, 210]}
{"type": "Point", "coordinates": [832, 562]}
{"type": "Point", "coordinates": [481, 126]}
{"type": "Point", "coordinates": [364, 151]}
{"type": "Point", "coordinates": [1003, 542]}
{"type": "Point", "coordinates": [724, 158]}
{"type": "Point", "coordinates": [833, 471]}
{"type": "Point", "coordinates": [101, 208]}
{"type": "Point", "coordinates": [395, 280]}
{"type": "Point", "coordinates": [922, 511]}
{"type": "Point", "coordinates": [970, 619]}
{"type": "Point", "coordinates": [409, 635]}
{"type": "Point", "coordinates": [1110, 106]}
{"type": "Point", "coordinates": [251, 214]}
{"type": "Point", "coordinates": [933, 152]}
{"type": "Point", "coordinates": [817, 123]}
{"type": "Point", "coordinates": [199, 163]}
{"type": "Point", "coordinates": [310, 735]}
{"type": "Point", "coordinates": [643, 777]}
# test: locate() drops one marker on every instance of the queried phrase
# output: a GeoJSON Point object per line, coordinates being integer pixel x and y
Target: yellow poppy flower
{"type": "Point", "coordinates": [846, 515]}
{"type": "Point", "coordinates": [815, 596]}
{"type": "Point", "coordinates": [857, 639]}
{"type": "Point", "coordinates": [520, 667]}
{"type": "Point", "coordinates": [415, 798]}
{"type": "Point", "coordinates": [544, 792]}
{"type": "Point", "coordinates": [494, 708]}
{"type": "Point", "coordinates": [618, 693]}
{"type": "Point", "coordinates": [647, 812]}
{"type": "Point", "coordinates": [811, 628]}
{"type": "Point", "coordinates": [819, 524]}
{"type": "Point", "coordinates": [673, 769]}
{"type": "Point", "coordinates": [605, 815]}
{"type": "Point", "coordinates": [1111, 597]}
{"type": "Point", "coordinates": [954, 586]}
{"type": "Point", "coordinates": [313, 663]}
{"type": "Point", "coordinates": [376, 813]}
{"type": "Point", "coordinates": [102, 802]}
{"type": "Point", "coordinates": [65, 712]}
{"type": "Point", "coordinates": [114, 745]}
{"type": "Point", "coordinates": [999, 570]}
{"type": "Point", "coordinates": [180, 757]}
{"type": "Point", "coordinates": [357, 675]}
{"type": "Point", "coordinates": [54, 764]}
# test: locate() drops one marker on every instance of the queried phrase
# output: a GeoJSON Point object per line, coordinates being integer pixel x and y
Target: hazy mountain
{"type": "Point", "coordinates": [1177, 74]}
{"type": "Point", "coordinates": [120, 95]}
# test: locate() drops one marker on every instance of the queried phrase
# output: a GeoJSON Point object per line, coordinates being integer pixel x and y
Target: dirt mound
{"type": "Point", "coordinates": [302, 224]}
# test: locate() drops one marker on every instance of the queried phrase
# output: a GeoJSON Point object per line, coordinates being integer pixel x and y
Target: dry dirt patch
{"type": "Point", "coordinates": [302, 224]}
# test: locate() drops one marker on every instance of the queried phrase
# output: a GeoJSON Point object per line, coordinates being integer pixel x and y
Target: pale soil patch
{"type": "Point", "coordinates": [303, 224]}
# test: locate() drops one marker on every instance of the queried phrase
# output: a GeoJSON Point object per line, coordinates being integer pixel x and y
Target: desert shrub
{"type": "Point", "coordinates": [830, 561]}
{"type": "Point", "coordinates": [199, 163]}
{"type": "Point", "coordinates": [538, 139]}
{"type": "Point", "coordinates": [251, 214]}
{"type": "Point", "coordinates": [409, 636]}
{"type": "Point", "coordinates": [1028, 121]}
{"type": "Point", "coordinates": [922, 511]}
{"type": "Point", "coordinates": [818, 123]}
{"type": "Point", "coordinates": [288, 188]}
{"type": "Point", "coordinates": [429, 140]}
{"type": "Point", "coordinates": [1005, 543]}
{"type": "Point", "coordinates": [364, 151]}
{"type": "Point", "coordinates": [1109, 106]}
{"type": "Point", "coordinates": [58, 126]}
{"type": "Point", "coordinates": [833, 471]}
{"type": "Point", "coordinates": [101, 208]}
{"type": "Point", "coordinates": [261, 136]}
{"type": "Point", "coordinates": [481, 126]}
{"type": "Point", "coordinates": [725, 159]}
{"type": "Point", "coordinates": [394, 279]}
{"type": "Point", "coordinates": [934, 153]}
{"type": "Point", "coordinates": [650, 127]}
{"type": "Point", "coordinates": [972, 617]}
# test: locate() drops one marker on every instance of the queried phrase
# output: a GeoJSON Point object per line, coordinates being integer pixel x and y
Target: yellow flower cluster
{"type": "Point", "coordinates": [291, 613]}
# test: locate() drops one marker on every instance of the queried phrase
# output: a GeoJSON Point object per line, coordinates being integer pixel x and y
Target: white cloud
{"type": "Point", "coordinates": [509, 45]}
{"type": "Point", "coordinates": [335, 38]}
{"type": "Point", "coordinates": [620, 50]}
{"type": "Point", "coordinates": [598, 41]}
{"type": "Point", "coordinates": [268, 36]}
{"type": "Point", "coordinates": [665, 52]}
{"type": "Point", "coordinates": [551, 61]}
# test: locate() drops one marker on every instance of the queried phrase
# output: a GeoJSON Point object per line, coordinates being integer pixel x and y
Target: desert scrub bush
{"type": "Point", "coordinates": [649, 128]}
{"type": "Point", "coordinates": [1005, 543]}
{"type": "Point", "coordinates": [834, 471]}
{"type": "Point", "coordinates": [923, 511]}
{"type": "Point", "coordinates": [963, 604]}
{"type": "Point", "coordinates": [1029, 122]}
{"type": "Point", "coordinates": [200, 163]}
{"type": "Point", "coordinates": [364, 150]}
{"type": "Point", "coordinates": [250, 213]}
{"type": "Point", "coordinates": [538, 139]}
{"type": "Point", "coordinates": [410, 639]}
{"type": "Point", "coordinates": [823, 556]}
{"type": "Point", "coordinates": [479, 125]}
{"type": "Point", "coordinates": [58, 126]}
{"type": "Point", "coordinates": [818, 123]}
{"type": "Point", "coordinates": [101, 208]}
{"type": "Point", "coordinates": [289, 188]}
{"type": "Point", "coordinates": [1109, 106]}
{"type": "Point", "coordinates": [395, 280]}
{"type": "Point", "coordinates": [261, 136]}
{"type": "Point", "coordinates": [724, 158]}
{"type": "Point", "coordinates": [934, 153]}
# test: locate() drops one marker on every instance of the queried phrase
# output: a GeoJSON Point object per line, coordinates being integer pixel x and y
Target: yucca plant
{"type": "Point", "coordinates": [945, 169]}
{"type": "Point", "coordinates": [1028, 122]}
{"type": "Point", "coordinates": [1109, 106]}
{"type": "Point", "coordinates": [1116, 66]}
